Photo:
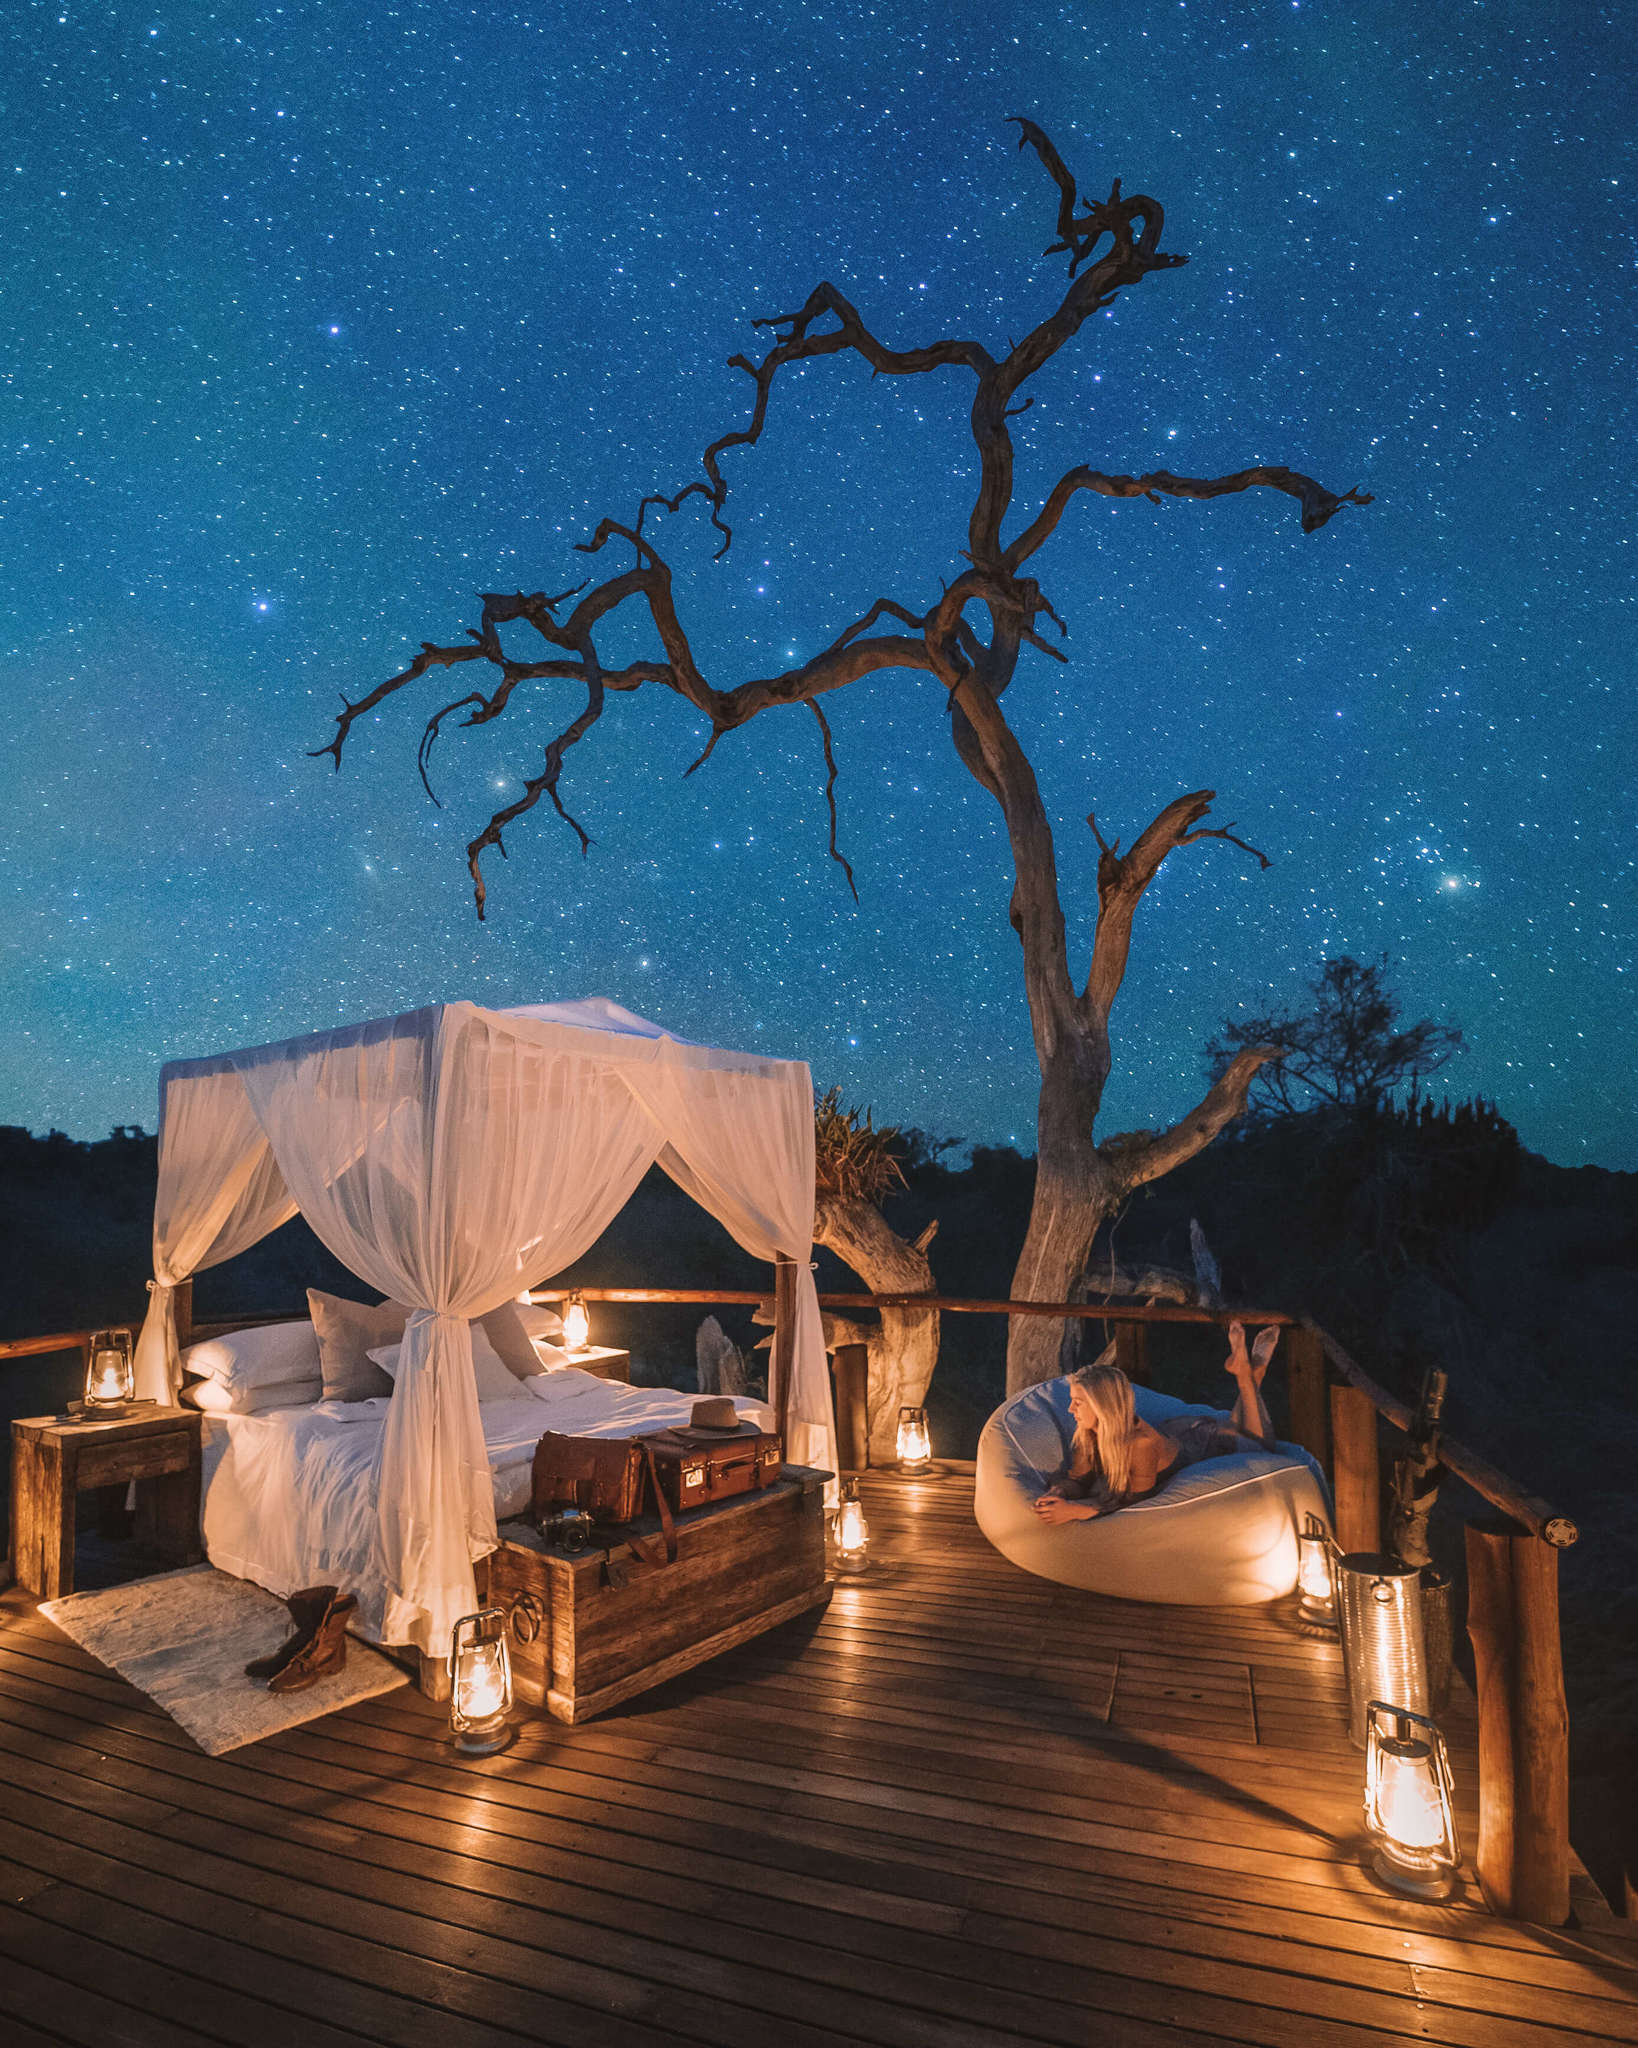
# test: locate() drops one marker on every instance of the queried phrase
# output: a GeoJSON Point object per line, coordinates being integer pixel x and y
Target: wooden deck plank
{"type": "Point", "coordinates": [963, 1807]}
{"type": "Point", "coordinates": [268, 1757]}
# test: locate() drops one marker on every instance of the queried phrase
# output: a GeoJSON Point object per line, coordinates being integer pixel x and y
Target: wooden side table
{"type": "Point", "coordinates": [54, 1457]}
{"type": "Point", "coordinates": [600, 1360]}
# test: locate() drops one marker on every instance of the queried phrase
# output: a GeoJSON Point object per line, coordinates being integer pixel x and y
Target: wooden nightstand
{"type": "Point", "coordinates": [600, 1360]}
{"type": "Point", "coordinates": [54, 1457]}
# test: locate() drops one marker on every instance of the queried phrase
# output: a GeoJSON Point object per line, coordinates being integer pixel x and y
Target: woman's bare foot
{"type": "Point", "coordinates": [1263, 1350]}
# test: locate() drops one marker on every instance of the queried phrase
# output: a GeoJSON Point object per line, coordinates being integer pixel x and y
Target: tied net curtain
{"type": "Point", "coordinates": [449, 1157]}
{"type": "Point", "coordinates": [445, 1161]}
{"type": "Point", "coordinates": [220, 1189]}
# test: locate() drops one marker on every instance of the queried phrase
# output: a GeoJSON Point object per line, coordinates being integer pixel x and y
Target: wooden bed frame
{"type": "Point", "coordinates": [585, 1636]}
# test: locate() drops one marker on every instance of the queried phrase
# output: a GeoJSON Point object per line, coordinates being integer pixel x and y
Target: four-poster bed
{"type": "Point", "coordinates": [452, 1157]}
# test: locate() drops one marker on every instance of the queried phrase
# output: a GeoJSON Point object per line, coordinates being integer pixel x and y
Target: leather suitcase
{"type": "Point", "coordinates": [695, 1467]}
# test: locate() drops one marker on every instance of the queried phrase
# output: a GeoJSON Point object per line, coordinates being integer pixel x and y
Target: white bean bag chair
{"type": "Point", "coordinates": [1219, 1533]}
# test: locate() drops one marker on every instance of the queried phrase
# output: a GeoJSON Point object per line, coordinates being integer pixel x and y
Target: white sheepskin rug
{"type": "Point", "coordinates": [184, 1639]}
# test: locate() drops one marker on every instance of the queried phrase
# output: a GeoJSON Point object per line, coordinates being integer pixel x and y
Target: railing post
{"type": "Point", "coordinates": [1523, 1856]}
{"type": "Point", "coordinates": [1306, 1395]}
{"type": "Point", "coordinates": [1132, 1351]}
{"type": "Point", "coordinates": [1356, 1478]}
{"type": "Point", "coordinates": [850, 1366]}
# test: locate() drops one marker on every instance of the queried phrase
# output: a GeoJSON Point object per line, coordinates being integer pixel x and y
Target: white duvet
{"type": "Point", "coordinates": [289, 1496]}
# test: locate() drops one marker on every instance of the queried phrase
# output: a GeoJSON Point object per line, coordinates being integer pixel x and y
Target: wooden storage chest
{"type": "Point", "coordinates": [592, 1628]}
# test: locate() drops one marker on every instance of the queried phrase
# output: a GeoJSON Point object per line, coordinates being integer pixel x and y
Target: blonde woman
{"type": "Point", "coordinates": [1117, 1457]}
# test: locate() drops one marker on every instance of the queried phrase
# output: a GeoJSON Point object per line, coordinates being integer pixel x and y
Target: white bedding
{"type": "Point", "coordinates": [289, 1496]}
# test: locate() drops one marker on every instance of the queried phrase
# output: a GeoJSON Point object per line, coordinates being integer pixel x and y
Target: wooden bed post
{"type": "Point", "coordinates": [1523, 1856]}
{"type": "Point", "coordinates": [782, 1355]}
{"type": "Point", "coordinates": [182, 1297]}
{"type": "Point", "coordinates": [1305, 1392]}
{"type": "Point", "coordinates": [850, 1367]}
{"type": "Point", "coordinates": [1356, 1478]}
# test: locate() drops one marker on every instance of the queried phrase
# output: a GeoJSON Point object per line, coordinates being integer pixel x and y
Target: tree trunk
{"type": "Point", "coordinates": [904, 1350]}
{"type": "Point", "coordinates": [1074, 1194]}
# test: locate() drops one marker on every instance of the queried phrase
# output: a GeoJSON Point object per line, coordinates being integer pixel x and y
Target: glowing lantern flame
{"type": "Point", "coordinates": [576, 1324]}
{"type": "Point", "coordinates": [480, 1690]}
{"type": "Point", "coordinates": [915, 1444]}
{"type": "Point", "coordinates": [1316, 1587]}
{"type": "Point", "coordinates": [1408, 1802]}
{"type": "Point", "coordinates": [110, 1378]}
{"type": "Point", "coordinates": [852, 1530]}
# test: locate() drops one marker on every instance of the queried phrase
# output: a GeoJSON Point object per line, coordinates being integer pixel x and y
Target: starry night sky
{"type": "Point", "coordinates": [317, 319]}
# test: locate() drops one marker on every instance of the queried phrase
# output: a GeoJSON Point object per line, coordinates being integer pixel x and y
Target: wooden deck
{"type": "Point", "coordinates": [962, 1808]}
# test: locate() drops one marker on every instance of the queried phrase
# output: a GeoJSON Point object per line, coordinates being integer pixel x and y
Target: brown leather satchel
{"type": "Point", "coordinates": [607, 1477]}
{"type": "Point", "coordinates": [603, 1476]}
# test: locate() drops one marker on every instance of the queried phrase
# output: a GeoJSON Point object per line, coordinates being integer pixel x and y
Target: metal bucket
{"type": "Point", "coordinates": [1384, 1653]}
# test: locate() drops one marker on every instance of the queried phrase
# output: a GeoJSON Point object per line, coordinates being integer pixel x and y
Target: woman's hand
{"type": "Point", "coordinates": [1052, 1507]}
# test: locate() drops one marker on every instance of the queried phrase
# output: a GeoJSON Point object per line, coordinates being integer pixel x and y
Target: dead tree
{"type": "Point", "coordinates": [970, 640]}
{"type": "Point", "coordinates": [856, 1169]}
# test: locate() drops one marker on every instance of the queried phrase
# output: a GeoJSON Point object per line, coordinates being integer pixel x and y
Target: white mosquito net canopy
{"type": "Point", "coordinates": [450, 1157]}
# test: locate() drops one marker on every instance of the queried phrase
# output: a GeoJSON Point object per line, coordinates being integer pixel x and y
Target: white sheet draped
{"type": "Point", "coordinates": [448, 1157]}
{"type": "Point", "coordinates": [220, 1190]}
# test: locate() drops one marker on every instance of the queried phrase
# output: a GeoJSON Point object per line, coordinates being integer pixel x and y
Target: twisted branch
{"type": "Point", "coordinates": [830, 793]}
{"type": "Point", "coordinates": [1112, 244]}
{"type": "Point", "coordinates": [1136, 1164]}
{"type": "Point", "coordinates": [1122, 882]}
{"type": "Point", "coordinates": [1318, 504]}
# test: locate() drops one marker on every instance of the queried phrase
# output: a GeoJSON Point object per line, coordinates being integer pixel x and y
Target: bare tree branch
{"type": "Point", "coordinates": [1122, 880]}
{"type": "Point", "coordinates": [543, 784]}
{"type": "Point", "coordinates": [1318, 504]}
{"type": "Point", "coordinates": [430, 657]}
{"type": "Point", "coordinates": [830, 793]}
{"type": "Point", "coordinates": [975, 672]}
{"type": "Point", "coordinates": [1141, 1162]}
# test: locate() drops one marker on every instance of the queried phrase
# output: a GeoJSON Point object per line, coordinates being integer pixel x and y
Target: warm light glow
{"type": "Point", "coordinates": [109, 1375]}
{"type": "Point", "coordinates": [1316, 1586]}
{"type": "Point", "coordinates": [1408, 1805]}
{"type": "Point", "coordinates": [480, 1691]}
{"type": "Point", "coordinates": [1408, 1801]}
{"type": "Point", "coordinates": [482, 1681]}
{"type": "Point", "coordinates": [852, 1530]}
{"type": "Point", "coordinates": [915, 1440]}
{"type": "Point", "coordinates": [576, 1324]}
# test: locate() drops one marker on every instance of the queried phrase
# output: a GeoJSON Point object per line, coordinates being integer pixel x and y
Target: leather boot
{"type": "Point", "coordinates": [306, 1610]}
{"type": "Point", "coordinates": [325, 1652]}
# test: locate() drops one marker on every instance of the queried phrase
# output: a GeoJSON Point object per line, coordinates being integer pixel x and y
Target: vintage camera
{"type": "Point", "coordinates": [567, 1528]}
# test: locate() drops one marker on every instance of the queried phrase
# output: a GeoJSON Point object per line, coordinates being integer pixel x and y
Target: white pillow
{"type": "Point", "coordinates": [495, 1380]}
{"type": "Point", "coordinates": [504, 1329]}
{"type": "Point", "coordinates": [216, 1397]}
{"type": "Point", "coordinates": [539, 1322]}
{"type": "Point", "coordinates": [346, 1330]}
{"type": "Point", "coordinates": [262, 1357]}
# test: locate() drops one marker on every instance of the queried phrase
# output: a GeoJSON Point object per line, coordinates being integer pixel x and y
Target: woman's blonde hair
{"type": "Point", "coordinates": [1110, 1392]}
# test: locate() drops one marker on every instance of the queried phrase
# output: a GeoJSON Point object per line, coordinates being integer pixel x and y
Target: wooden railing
{"type": "Point", "coordinates": [1523, 1856]}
